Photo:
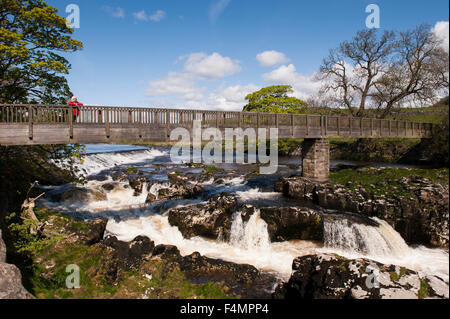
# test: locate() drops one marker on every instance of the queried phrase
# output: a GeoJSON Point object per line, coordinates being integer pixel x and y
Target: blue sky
{"type": "Point", "coordinates": [211, 53]}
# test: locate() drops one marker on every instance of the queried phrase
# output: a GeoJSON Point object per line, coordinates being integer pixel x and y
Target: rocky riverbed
{"type": "Point", "coordinates": [141, 224]}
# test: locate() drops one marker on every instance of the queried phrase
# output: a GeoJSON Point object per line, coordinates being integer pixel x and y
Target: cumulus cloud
{"type": "Point", "coordinates": [181, 85]}
{"type": "Point", "coordinates": [216, 9]}
{"type": "Point", "coordinates": [441, 30]}
{"type": "Point", "coordinates": [303, 85]}
{"type": "Point", "coordinates": [155, 17]}
{"type": "Point", "coordinates": [199, 67]}
{"type": "Point", "coordinates": [212, 66]}
{"type": "Point", "coordinates": [117, 12]}
{"type": "Point", "coordinates": [231, 98]}
{"type": "Point", "coordinates": [271, 58]}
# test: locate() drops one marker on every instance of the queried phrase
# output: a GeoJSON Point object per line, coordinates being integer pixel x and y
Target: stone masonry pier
{"type": "Point", "coordinates": [316, 158]}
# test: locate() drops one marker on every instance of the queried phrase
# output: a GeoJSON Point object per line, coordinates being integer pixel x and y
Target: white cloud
{"type": "Point", "coordinates": [141, 15]}
{"type": "Point", "coordinates": [158, 16]}
{"type": "Point", "coordinates": [303, 85]}
{"type": "Point", "coordinates": [216, 9]}
{"type": "Point", "coordinates": [271, 58]}
{"type": "Point", "coordinates": [180, 85]}
{"type": "Point", "coordinates": [212, 66]}
{"type": "Point", "coordinates": [155, 17]}
{"type": "Point", "coordinates": [117, 12]}
{"type": "Point", "coordinates": [185, 88]}
{"type": "Point", "coordinates": [231, 98]}
{"type": "Point", "coordinates": [441, 30]}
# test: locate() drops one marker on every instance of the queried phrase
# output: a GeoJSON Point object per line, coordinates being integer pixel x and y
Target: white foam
{"type": "Point", "coordinates": [95, 163]}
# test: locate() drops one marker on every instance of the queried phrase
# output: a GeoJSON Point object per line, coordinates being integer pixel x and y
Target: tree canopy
{"type": "Point", "coordinates": [274, 99]}
{"type": "Point", "coordinates": [384, 71]}
{"type": "Point", "coordinates": [32, 38]}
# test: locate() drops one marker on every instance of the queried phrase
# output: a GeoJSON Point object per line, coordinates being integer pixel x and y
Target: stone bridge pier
{"type": "Point", "coordinates": [316, 158]}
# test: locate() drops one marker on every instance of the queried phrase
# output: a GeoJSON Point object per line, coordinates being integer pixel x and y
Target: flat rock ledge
{"type": "Point", "coordinates": [329, 276]}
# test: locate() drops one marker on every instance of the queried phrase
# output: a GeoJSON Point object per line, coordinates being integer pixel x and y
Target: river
{"type": "Point", "coordinates": [129, 215]}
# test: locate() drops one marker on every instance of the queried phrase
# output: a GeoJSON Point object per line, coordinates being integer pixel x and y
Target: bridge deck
{"type": "Point", "coordinates": [52, 124]}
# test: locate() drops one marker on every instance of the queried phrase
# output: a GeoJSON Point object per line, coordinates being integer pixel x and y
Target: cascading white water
{"type": "Point", "coordinates": [95, 163]}
{"type": "Point", "coordinates": [380, 242]}
{"type": "Point", "coordinates": [371, 240]}
{"type": "Point", "coordinates": [251, 235]}
{"type": "Point", "coordinates": [249, 241]}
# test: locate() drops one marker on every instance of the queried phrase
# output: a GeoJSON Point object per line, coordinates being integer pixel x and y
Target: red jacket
{"type": "Point", "coordinates": [76, 110]}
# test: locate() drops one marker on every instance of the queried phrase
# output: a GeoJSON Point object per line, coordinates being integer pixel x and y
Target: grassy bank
{"type": "Point", "coordinates": [48, 256]}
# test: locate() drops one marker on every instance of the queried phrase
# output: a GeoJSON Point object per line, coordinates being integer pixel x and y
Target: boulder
{"type": "Point", "coordinates": [207, 220]}
{"type": "Point", "coordinates": [2, 249]}
{"type": "Point", "coordinates": [286, 223]}
{"type": "Point", "coordinates": [129, 255]}
{"type": "Point", "coordinates": [11, 283]}
{"type": "Point", "coordinates": [328, 276]}
{"type": "Point", "coordinates": [83, 195]}
{"type": "Point", "coordinates": [10, 278]}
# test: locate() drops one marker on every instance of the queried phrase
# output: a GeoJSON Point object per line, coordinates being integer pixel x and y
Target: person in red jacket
{"type": "Point", "coordinates": [76, 111]}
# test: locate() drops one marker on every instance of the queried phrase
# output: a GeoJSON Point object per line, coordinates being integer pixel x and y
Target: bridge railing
{"type": "Point", "coordinates": [323, 125]}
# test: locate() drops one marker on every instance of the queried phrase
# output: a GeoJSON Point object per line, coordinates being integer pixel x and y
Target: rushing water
{"type": "Point", "coordinates": [249, 241]}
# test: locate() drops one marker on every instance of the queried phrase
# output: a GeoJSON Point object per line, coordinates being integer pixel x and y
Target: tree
{"type": "Point", "coordinates": [274, 99]}
{"type": "Point", "coordinates": [31, 69]}
{"type": "Point", "coordinates": [386, 71]}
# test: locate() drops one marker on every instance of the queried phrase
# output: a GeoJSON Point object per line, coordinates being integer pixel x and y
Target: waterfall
{"type": "Point", "coordinates": [372, 239]}
{"type": "Point", "coordinates": [251, 235]}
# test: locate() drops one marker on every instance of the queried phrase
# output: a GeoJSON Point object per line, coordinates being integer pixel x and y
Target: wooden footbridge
{"type": "Point", "coordinates": [53, 124]}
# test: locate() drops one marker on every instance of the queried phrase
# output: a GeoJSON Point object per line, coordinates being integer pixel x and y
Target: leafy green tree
{"type": "Point", "coordinates": [274, 99]}
{"type": "Point", "coordinates": [32, 70]}
{"type": "Point", "coordinates": [32, 38]}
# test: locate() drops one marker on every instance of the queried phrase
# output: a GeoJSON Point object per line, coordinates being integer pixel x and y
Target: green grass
{"type": "Point", "coordinates": [423, 291]}
{"type": "Point", "coordinates": [385, 181]}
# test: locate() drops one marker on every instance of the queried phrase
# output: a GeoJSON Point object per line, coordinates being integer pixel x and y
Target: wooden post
{"type": "Point", "coordinates": [339, 125]}
{"type": "Point", "coordinates": [350, 124]}
{"type": "Point", "coordinates": [167, 124]}
{"type": "Point", "coordinates": [30, 122]}
{"type": "Point", "coordinates": [398, 134]}
{"type": "Point", "coordinates": [381, 127]}
{"type": "Point", "coordinates": [292, 125]}
{"type": "Point", "coordinates": [140, 123]}
{"type": "Point", "coordinates": [406, 131]}
{"type": "Point", "coordinates": [107, 128]}
{"type": "Point", "coordinates": [276, 120]}
{"type": "Point", "coordinates": [321, 126]}
{"type": "Point", "coordinates": [307, 125]}
{"type": "Point", "coordinates": [326, 125]}
{"type": "Point", "coordinates": [371, 127]}
{"type": "Point", "coordinates": [361, 126]}
{"type": "Point", "coordinates": [70, 122]}
{"type": "Point", "coordinates": [389, 123]}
